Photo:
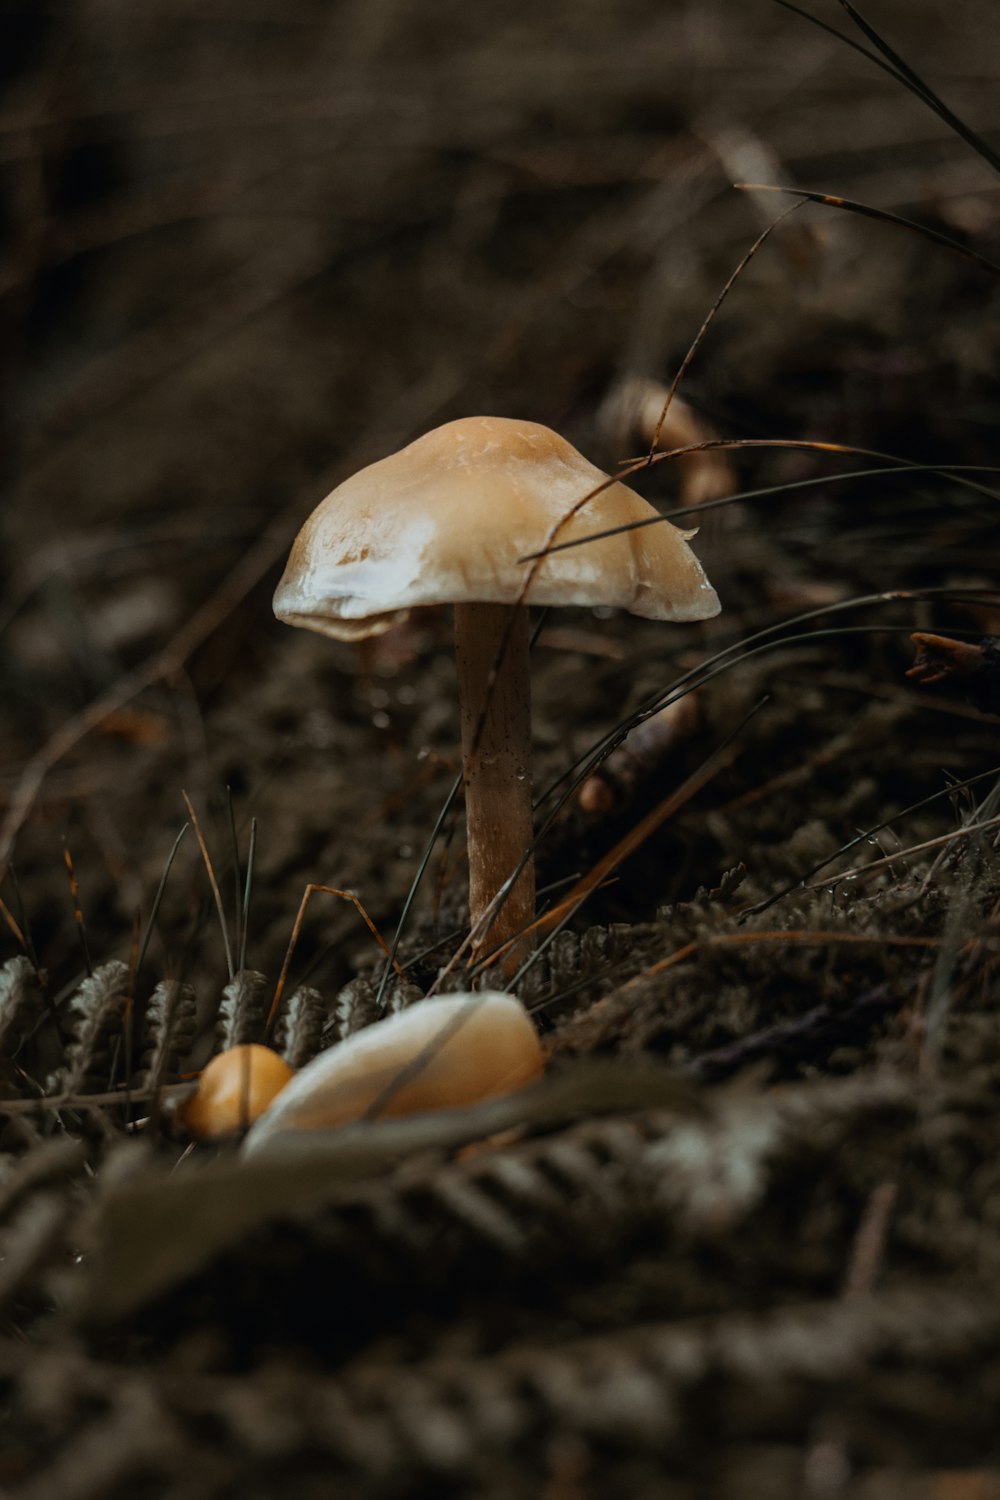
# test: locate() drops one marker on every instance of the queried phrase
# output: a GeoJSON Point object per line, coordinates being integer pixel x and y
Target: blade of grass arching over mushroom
{"type": "Point", "coordinates": [902, 467]}
{"type": "Point", "coordinates": [892, 462]}
{"type": "Point", "coordinates": [882, 215]}
{"type": "Point", "coordinates": [634, 466]}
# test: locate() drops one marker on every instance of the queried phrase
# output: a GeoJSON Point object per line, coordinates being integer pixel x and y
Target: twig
{"type": "Point", "coordinates": [307, 896]}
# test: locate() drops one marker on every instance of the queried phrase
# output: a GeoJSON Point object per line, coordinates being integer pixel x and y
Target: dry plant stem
{"type": "Point", "coordinates": [494, 687]}
{"type": "Point", "coordinates": [311, 889]}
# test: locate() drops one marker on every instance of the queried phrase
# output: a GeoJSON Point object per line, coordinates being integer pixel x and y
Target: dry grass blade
{"type": "Point", "coordinates": [74, 892]}
{"type": "Point", "coordinates": [8, 917]}
{"type": "Point", "coordinates": [867, 834]}
{"type": "Point", "coordinates": [782, 938]}
{"type": "Point", "coordinates": [875, 866]}
{"type": "Point", "coordinates": [897, 464]}
{"type": "Point", "coordinates": [216, 893]}
{"type": "Point", "coordinates": [898, 69]}
{"type": "Point", "coordinates": [921, 88]}
{"type": "Point", "coordinates": [154, 911]}
{"type": "Point", "coordinates": [882, 215]}
{"type": "Point", "coordinates": [307, 896]}
{"type": "Point", "coordinates": [247, 888]}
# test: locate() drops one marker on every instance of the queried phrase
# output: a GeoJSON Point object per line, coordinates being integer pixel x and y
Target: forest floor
{"type": "Point", "coordinates": [744, 1241]}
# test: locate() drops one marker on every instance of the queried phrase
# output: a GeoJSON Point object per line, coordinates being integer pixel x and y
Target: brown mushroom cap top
{"type": "Point", "coordinates": [445, 520]}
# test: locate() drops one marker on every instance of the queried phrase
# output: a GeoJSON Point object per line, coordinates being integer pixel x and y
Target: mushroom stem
{"type": "Point", "coordinates": [496, 749]}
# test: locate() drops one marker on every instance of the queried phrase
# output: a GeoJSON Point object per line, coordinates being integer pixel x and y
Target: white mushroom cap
{"type": "Point", "coordinates": [445, 520]}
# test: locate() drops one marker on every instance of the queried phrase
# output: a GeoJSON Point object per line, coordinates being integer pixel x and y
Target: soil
{"type": "Point", "coordinates": [745, 1239]}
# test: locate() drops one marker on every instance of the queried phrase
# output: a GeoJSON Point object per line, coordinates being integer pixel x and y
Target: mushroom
{"type": "Point", "coordinates": [234, 1088]}
{"type": "Point", "coordinates": [439, 1054]}
{"type": "Point", "coordinates": [449, 520]}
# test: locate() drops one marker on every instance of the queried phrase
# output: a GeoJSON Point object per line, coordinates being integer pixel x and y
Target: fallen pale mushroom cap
{"type": "Point", "coordinates": [450, 520]}
{"type": "Point", "coordinates": [440, 1054]}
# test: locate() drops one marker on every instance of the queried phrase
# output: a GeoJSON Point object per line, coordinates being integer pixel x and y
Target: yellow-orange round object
{"type": "Point", "coordinates": [440, 1054]}
{"type": "Point", "coordinates": [233, 1090]}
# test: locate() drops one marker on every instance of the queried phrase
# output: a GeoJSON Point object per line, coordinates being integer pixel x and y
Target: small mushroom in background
{"type": "Point", "coordinates": [640, 756]}
{"type": "Point", "coordinates": [234, 1089]}
{"type": "Point", "coordinates": [630, 417]}
{"type": "Point", "coordinates": [449, 519]}
{"type": "Point", "coordinates": [445, 1053]}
